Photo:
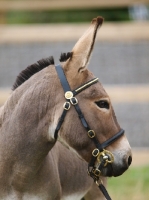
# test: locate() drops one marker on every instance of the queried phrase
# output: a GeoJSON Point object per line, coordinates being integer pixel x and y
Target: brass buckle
{"type": "Point", "coordinates": [97, 172]}
{"type": "Point", "coordinates": [91, 133]}
{"type": "Point", "coordinates": [99, 182]}
{"type": "Point", "coordinates": [74, 103]}
{"type": "Point", "coordinates": [107, 156]}
{"type": "Point", "coordinates": [66, 105]}
{"type": "Point", "coordinates": [95, 152]}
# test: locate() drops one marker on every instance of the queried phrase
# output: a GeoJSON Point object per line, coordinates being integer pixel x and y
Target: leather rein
{"type": "Point", "coordinates": [100, 156]}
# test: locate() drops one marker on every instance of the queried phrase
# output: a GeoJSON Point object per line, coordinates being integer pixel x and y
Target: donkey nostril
{"type": "Point", "coordinates": [129, 160]}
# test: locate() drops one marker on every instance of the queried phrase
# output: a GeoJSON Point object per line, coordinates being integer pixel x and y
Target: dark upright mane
{"type": "Point", "coordinates": [36, 67]}
{"type": "Point", "coordinates": [31, 70]}
{"type": "Point", "coordinates": [65, 56]}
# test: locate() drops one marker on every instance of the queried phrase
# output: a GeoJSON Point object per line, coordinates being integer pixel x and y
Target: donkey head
{"type": "Point", "coordinates": [96, 107]}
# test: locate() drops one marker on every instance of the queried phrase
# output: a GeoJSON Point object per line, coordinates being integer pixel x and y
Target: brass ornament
{"type": "Point", "coordinates": [68, 95]}
{"type": "Point", "coordinates": [105, 155]}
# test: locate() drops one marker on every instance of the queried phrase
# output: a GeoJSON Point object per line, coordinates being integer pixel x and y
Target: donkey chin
{"type": "Point", "coordinates": [111, 170]}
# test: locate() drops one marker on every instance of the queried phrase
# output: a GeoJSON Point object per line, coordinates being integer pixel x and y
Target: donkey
{"type": "Point", "coordinates": [45, 147]}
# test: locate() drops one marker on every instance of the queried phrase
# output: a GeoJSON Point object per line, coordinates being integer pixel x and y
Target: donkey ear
{"type": "Point", "coordinates": [83, 48]}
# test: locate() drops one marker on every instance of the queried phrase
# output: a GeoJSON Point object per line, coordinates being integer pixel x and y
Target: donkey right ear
{"type": "Point", "coordinates": [82, 50]}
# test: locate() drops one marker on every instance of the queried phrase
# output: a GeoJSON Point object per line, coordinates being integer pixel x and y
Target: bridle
{"type": "Point", "coordinates": [99, 155]}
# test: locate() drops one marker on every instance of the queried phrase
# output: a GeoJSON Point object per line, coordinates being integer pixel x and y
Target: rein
{"type": "Point", "coordinates": [100, 155]}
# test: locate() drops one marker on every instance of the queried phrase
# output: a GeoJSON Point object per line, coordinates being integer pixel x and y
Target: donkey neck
{"type": "Point", "coordinates": [26, 117]}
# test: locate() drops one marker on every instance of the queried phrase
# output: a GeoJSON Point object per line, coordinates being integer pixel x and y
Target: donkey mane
{"type": "Point", "coordinates": [31, 70]}
{"type": "Point", "coordinates": [36, 67]}
{"type": "Point", "coordinates": [65, 56]}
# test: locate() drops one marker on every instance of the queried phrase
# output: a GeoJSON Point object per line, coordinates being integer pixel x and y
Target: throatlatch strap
{"type": "Point", "coordinates": [66, 88]}
{"type": "Point", "coordinates": [60, 123]}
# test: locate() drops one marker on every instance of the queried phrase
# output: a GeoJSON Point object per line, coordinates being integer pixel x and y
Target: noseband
{"type": "Point", "coordinates": [99, 154]}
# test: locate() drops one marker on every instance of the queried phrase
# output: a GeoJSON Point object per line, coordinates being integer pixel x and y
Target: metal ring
{"type": "Point", "coordinates": [107, 156]}
{"type": "Point", "coordinates": [99, 183]}
{"type": "Point", "coordinates": [95, 152]}
{"type": "Point", "coordinates": [91, 133]}
{"type": "Point", "coordinates": [66, 105]}
{"type": "Point", "coordinates": [75, 101]}
{"type": "Point", "coordinates": [97, 172]}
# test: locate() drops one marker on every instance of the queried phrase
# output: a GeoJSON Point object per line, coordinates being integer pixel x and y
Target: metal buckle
{"type": "Point", "coordinates": [91, 133]}
{"type": "Point", "coordinates": [99, 182]}
{"type": "Point", "coordinates": [66, 105]}
{"type": "Point", "coordinates": [95, 152]}
{"type": "Point", "coordinates": [97, 172]}
{"type": "Point", "coordinates": [74, 101]}
{"type": "Point", "coordinates": [107, 156]}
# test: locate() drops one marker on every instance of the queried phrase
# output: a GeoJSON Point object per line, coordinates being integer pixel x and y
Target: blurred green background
{"type": "Point", "coordinates": [133, 185]}
{"type": "Point", "coordinates": [69, 16]}
{"type": "Point", "coordinates": [64, 11]}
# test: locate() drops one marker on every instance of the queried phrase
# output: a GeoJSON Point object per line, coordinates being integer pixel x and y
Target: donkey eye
{"type": "Point", "coordinates": [102, 104]}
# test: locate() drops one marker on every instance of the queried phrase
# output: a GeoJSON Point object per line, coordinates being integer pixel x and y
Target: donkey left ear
{"type": "Point", "coordinates": [83, 48]}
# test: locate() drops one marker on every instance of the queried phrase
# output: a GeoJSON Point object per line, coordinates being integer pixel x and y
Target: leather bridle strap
{"type": "Point", "coordinates": [112, 139]}
{"type": "Point", "coordinates": [99, 152]}
{"type": "Point", "coordinates": [73, 100]}
{"type": "Point", "coordinates": [66, 106]}
{"type": "Point", "coordinates": [62, 78]}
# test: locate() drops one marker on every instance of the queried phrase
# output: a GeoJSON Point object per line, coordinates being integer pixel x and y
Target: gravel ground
{"type": "Point", "coordinates": [114, 63]}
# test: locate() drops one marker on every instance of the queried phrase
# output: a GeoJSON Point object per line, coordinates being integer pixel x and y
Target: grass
{"type": "Point", "coordinates": [132, 185]}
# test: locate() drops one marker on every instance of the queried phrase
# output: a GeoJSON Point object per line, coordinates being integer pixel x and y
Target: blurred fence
{"type": "Point", "coordinates": [64, 4]}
